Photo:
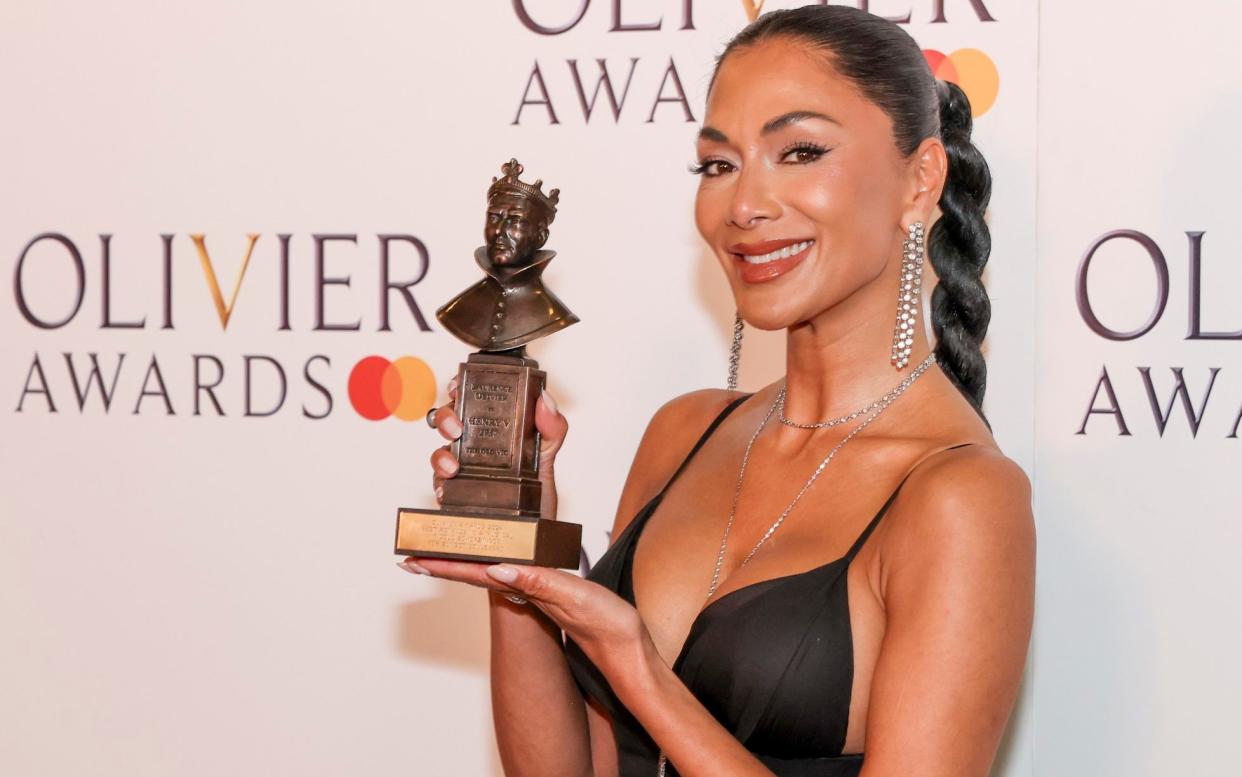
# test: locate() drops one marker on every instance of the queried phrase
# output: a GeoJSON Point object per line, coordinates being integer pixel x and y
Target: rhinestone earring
{"type": "Point", "coordinates": [908, 304]}
{"type": "Point", "coordinates": [735, 352]}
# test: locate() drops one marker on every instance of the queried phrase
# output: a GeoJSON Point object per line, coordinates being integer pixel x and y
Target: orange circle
{"type": "Point", "coordinates": [978, 77]}
{"type": "Point", "coordinates": [973, 71]}
{"type": "Point", "coordinates": [418, 388]}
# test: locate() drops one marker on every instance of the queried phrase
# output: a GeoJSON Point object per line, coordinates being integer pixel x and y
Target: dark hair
{"type": "Point", "coordinates": [888, 67]}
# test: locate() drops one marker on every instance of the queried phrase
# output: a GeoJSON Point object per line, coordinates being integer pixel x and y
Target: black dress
{"type": "Point", "coordinates": [772, 661]}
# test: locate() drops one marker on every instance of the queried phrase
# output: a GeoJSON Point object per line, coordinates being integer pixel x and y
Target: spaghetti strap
{"type": "Point", "coordinates": [703, 438]}
{"type": "Point", "coordinates": [862, 538]}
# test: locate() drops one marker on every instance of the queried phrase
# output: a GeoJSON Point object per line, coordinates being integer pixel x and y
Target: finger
{"type": "Point", "coordinates": [553, 587]}
{"type": "Point", "coordinates": [444, 463]}
{"type": "Point", "coordinates": [551, 424]}
{"type": "Point", "coordinates": [470, 572]}
{"type": "Point", "coordinates": [552, 428]}
{"type": "Point", "coordinates": [447, 422]}
{"type": "Point", "coordinates": [437, 486]}
{"type": "Point", "coordinates": [452, 387]}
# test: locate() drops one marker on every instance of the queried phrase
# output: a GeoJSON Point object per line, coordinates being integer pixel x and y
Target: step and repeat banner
{"type": "Point", "coordinates": [226, 229]}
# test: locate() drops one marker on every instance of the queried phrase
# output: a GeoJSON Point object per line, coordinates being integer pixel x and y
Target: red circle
{"type": "Point", "coordinates": [366, 388]}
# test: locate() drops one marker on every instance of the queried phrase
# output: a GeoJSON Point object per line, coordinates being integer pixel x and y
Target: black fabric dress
{"type": "Point", "coordinates": [772, 661]}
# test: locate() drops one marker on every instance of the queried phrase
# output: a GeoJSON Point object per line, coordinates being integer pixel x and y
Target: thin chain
{"type": "Point", "coordinates": [892, 394]}
{"type": "Point", "coordinates": [881, 404]}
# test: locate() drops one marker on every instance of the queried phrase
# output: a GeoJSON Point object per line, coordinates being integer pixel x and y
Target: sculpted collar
{"type": "Point", "coordinates": [514, 278]}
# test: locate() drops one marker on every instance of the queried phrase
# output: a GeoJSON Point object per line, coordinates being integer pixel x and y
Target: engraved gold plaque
{"type": "Point", "coordinates": [474, 537]}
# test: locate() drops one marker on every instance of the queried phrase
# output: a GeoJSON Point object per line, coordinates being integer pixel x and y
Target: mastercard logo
{"type": "Point", "coordinates": [973, 71]}
{"type": "Point", "coordinates": [405, 388]}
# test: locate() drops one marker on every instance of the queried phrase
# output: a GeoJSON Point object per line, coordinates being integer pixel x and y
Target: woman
{"type": "Point", "coordinates": [746, 620]}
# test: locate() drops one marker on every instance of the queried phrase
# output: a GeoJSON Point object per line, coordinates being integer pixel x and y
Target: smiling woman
{"type": "Point", "coordinates": [749, 619]}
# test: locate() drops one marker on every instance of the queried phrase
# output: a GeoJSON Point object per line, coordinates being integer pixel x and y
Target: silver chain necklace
{"type": "Point", "coordinates": [880, 406]}
{"type": "Point", "coordinates": [888, 397]}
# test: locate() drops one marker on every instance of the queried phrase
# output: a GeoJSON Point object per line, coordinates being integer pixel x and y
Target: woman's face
{"type": "Point", "coordinates": [794, 160]}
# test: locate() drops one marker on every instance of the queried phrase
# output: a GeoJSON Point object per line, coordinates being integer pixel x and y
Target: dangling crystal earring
{"type": "Point", "coordinates": [735, 351]}
{"type": "Point", "coordinates": [908, 303]}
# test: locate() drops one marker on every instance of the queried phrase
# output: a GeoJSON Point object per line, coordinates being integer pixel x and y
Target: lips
{"type": "Point", "coordinates": [769, 259]}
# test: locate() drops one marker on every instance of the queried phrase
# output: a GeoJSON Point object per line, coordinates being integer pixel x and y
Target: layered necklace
{"type": "Point", "coordinates": [778, 406]}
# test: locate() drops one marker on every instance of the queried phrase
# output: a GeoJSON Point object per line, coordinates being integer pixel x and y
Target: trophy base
{"type": "Point", "coordinates": [474, 536]}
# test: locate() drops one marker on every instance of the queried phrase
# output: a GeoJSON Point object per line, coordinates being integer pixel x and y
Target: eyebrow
{"type": "Point", "coordinates": [780, 122]}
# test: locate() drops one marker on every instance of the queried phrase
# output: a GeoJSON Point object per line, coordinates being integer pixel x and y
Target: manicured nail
{"type": "Point", "coordinates": [439, 493]}
{"type": "Point", "coordinates": [409, 565]}
{"type": "Point", "coordinates": [452, 427]}
{"type": "Point", "coordinates": [452, 384]}
{"type": "Point", "coordinates": [448, 466]}
{"type": "Point", "coordinates": [549, 401]}
{"type": "Point", "coordinates": [503, 572]}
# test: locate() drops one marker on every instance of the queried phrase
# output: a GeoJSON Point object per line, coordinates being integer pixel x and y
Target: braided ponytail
{"type": "Point", "coordinates": [958, 246]}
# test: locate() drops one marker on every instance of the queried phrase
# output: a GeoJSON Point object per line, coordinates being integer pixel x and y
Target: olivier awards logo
{"type": "Point", "coordinates": [172, 379]}
{"type": "Point", "coordinates": [1141, 249]}
{"type": "Point", "coordinates": [647, 90]}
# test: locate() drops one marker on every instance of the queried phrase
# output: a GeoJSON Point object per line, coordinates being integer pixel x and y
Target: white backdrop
{"type": "Point", "coordinates": [191, 593]}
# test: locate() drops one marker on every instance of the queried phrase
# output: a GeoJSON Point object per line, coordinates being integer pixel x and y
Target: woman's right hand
{"type": "Point", "coordinates": [552, 428]}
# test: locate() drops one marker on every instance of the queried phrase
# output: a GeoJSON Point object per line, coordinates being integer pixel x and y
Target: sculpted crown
{"type": "Point", "coordinates": [509, 183]}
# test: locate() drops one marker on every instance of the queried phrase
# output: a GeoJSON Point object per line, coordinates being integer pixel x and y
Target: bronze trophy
{"type": "Point", "coordinates": [490, 510]}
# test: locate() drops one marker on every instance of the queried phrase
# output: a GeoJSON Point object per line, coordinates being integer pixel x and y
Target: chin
{"type": "Point", "coordinates": [767, 317]}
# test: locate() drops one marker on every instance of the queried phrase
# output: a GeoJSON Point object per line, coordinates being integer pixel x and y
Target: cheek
{"type": "Point", "coordinates": [707, 215]}
{"type": "Point", "coordinates": [854, 210]}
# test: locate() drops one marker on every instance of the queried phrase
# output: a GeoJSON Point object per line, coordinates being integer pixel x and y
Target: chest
{"type": "Point", "coordinates": [678, 551]}
{"type": "Point", "coordinates": [784, 662]}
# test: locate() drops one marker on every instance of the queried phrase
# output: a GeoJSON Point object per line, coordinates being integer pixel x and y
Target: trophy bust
{"type": "Point", "coordinates": [491, 509]}
{"type": "Point", "coordinates": [510, 307]}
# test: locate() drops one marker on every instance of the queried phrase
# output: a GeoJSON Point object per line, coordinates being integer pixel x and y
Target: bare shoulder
{"type": "Point", "coordinates": [958, 589]}
{"type": "Point", "coordinates": [670, 434]}
{"type": "Point", "coordinates": [970, 506]}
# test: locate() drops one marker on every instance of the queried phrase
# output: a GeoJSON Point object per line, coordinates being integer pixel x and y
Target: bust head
{"type": "Point", "coordinates": [518, 215]}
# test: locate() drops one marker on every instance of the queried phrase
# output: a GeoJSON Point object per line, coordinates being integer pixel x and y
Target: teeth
{"type": "Point", "coordinates": [780, 253]}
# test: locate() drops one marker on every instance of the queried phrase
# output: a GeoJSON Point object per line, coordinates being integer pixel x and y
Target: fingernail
{"type": "Point", "coordinates": [549, 401]}
{"type": "Point", "coordinates": [452, 384]}
{"type": "Point", "coordinates": [439, 493]}
{"type": "Point", "coordinates": [503, 572]}
{"type": "Point", "coordinates": [448, 466]}
{"type": "Point", "coordinates": [452, 426]}
{"type": "Point", "coordinates": [409, 565]}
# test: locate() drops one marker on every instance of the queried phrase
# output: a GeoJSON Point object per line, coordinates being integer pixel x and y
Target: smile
{"type": "Point", "coordinates": [784, 256]}
{"type": "Point", "coordinates": [780, 253]}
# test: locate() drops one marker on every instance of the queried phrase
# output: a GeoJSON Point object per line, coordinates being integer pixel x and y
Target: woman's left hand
{"type": "Point", "coordinates": [607, 628]}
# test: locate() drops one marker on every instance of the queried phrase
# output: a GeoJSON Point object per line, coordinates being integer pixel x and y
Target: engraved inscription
{"type": "Point", "coordinates": [429, 532]}
{"type": "Point", "coordinates": [489, 409]}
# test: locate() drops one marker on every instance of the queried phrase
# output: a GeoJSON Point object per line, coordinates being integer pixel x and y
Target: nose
{"type": "Point", "coordinates": [752, 200]}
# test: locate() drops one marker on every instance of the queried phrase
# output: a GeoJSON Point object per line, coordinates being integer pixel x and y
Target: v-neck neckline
{"type": "Point", "coordinates": [627, 571]}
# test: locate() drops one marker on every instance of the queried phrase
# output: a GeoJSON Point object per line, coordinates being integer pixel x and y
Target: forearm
{"type": "Point", "coordinates": [694, 741]}
{"type": "Point", "coordinates": [539, 713]}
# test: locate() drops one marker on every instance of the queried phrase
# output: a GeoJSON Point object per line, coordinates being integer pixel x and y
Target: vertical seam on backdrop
{"type": "Point", "coordinates": [1035, 358]}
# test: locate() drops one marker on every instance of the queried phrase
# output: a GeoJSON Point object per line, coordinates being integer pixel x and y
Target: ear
{"type": "Point", "coordinates": [541, 237]}
{"type": "Point", "coordinates": [928, 168]}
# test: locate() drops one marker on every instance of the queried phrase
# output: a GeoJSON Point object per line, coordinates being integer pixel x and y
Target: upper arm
{"type": "Point", "coordinates": [669, 436]}
{"type": "Point", "coordinates": [958, 590]}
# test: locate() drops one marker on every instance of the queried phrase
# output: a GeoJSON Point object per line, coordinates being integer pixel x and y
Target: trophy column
{"type": "Point", "coordinates": [490, 509]}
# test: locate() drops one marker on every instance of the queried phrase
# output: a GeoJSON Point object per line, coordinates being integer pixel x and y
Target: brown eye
{"type": "Point", "coordinates": [804, 153]}
{"type": "Point", "coordinates": [711, 168]}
